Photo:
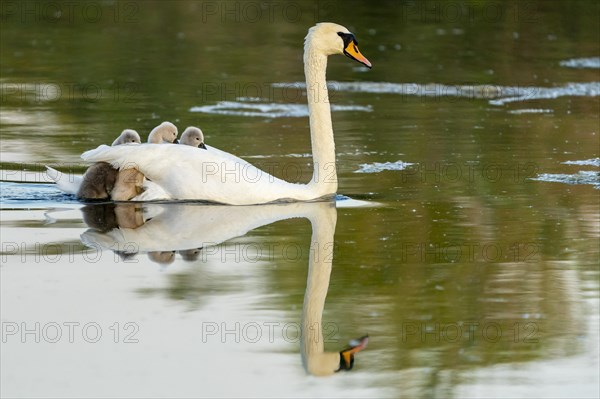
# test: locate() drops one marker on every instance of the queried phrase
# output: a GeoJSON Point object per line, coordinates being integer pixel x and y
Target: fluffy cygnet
{"type": "Point", "coordinates": [129, 182]}
{"type": "Point", "coordinates": [166, 132]}
{"type": "Point", "coordinates": [193, 136]}
{"type": "Point", "coordinates": [100, 178]}
{"type": "Point", "coordinates": [127, 136]}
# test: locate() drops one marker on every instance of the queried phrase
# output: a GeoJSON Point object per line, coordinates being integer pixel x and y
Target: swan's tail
{"type": "Point", "coordinates": [67, 183]}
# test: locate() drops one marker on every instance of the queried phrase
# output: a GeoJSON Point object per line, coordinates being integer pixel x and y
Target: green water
{"type": "Point", "coordinates": [472, 279]}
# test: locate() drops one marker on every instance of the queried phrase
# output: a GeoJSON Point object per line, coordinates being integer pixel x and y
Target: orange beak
{"type": "Point", "coordinates": [352, 51]}
{"type": "Point", "coordinates": [347, 355]}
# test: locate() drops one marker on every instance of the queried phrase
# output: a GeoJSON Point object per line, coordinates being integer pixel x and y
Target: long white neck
{"type": "Point", "coordinates": [315, 359]}
{"type": "Point", "coordinates": [324, 180]}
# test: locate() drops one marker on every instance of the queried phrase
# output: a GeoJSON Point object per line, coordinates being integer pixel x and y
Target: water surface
{"type": "Point", "coordinates": [473, 140]}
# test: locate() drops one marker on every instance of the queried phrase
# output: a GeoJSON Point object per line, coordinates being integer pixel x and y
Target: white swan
{"type": "Point", "coordinates": [214, 175]}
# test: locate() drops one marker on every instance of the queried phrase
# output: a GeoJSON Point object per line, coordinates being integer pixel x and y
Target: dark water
{"type": "Point", "coordinates": [474, 141]}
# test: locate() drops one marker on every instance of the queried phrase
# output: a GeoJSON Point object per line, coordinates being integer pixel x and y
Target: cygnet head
{"type": "Point", "coordinates": [193, 136]}
{"type": "Point", "coordinates": [162, 257]}
{"type": "Point", "coordinates": [127, 136]}
{"type": "Point", "coordinates": [328, 38]}
{"type": "Point", "coordinates": [166, 132]}
{"type": "Point", "coordinates": [190, 255]}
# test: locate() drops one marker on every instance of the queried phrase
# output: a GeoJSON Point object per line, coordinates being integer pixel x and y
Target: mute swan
{"type": "Point", "coordinates": [214, 175]}
{"type": "Point", "coordinates": [193, 136]}
{"type": "Point", "coordinates": [100, 178]}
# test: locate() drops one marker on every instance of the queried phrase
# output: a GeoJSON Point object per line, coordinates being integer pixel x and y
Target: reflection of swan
{"type": "Point", "coordinates": [315, 359]}
{"type": "Point", "coordinates": [222, 177]}
{"type": "Point", "coordinates": [182, 226]}
{"type": "Point", "coordinates": [178, 226]}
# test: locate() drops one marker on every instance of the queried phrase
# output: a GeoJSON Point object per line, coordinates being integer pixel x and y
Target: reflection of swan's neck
{"type": "Point", "coordinates": [316, 361]}
{"type": "Point", "coordinates": [324, 180]}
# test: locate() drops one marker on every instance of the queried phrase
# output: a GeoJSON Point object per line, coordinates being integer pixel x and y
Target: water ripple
{"type": "Point", "coordinates": [377, 167]}
{"type": "Point", "coordinates": [591, 62]}
{"type": "Point", "coordinates": [530, 111]}
{"type": "Point", "coordinates": [581, 177]}
{"type": "Point", "coordinates": [590, 162]}
{"type": "Point", "coordinates": [251, 107]}
{"type": "Point", "coordinates": [34, 194]}
{"type": "Point", "coordinates": [495, 94]}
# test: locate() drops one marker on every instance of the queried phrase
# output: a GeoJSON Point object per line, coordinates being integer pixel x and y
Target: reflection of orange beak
{"type": "Point", "coordinates": [352, 51]}
{"type": "Point", "coordinates": [347, 355]}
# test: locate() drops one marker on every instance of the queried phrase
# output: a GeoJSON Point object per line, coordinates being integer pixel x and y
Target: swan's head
{"type": "Point", "coordinates": [166, 132]}
{"type": "Point", "coordinates": [190, 255]}
{"type": "Point", "coordinates": [330, 38]}
{"type": "Point", "coordinates": [127, 136]}
{"type": "Point", "coordinates": [193, 136]}
{"type": "Point", "coordinates": [347, 355]}
{"type": "Point", "coordinates": [328, 363]}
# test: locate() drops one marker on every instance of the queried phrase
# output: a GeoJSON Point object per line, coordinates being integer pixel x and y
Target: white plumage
{"type": "Point", "coordinates": [186, 173]}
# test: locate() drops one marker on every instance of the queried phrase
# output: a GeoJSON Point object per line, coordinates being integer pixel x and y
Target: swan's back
{"type": "Point", "coordinates": [184, 172]}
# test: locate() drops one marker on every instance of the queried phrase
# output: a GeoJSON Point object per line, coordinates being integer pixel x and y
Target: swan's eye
{"type": "Point", "coordinates": [347, 38]}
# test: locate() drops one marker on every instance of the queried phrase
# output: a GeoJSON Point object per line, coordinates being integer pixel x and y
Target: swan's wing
{"type": "Point", "coordinates": [65, 182]}
{"type": "Point", "coordinates": [185, 172]}
{"type": "Point", "coordinates": [152, 192]}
